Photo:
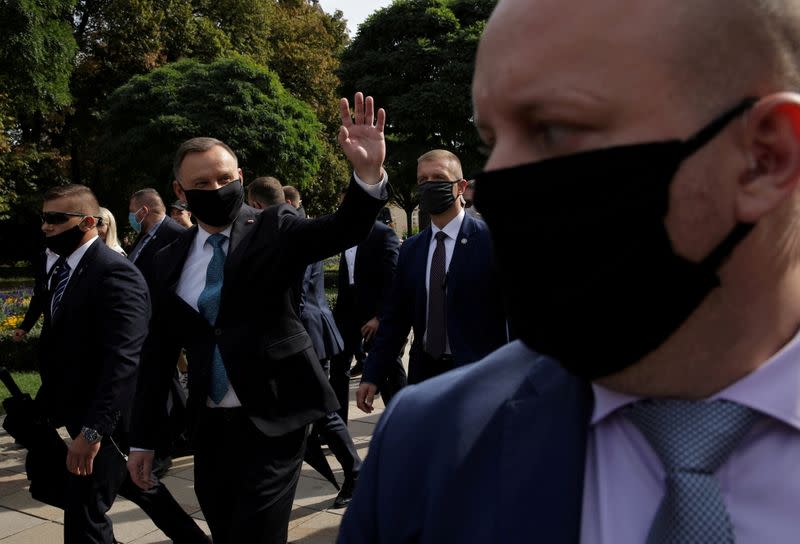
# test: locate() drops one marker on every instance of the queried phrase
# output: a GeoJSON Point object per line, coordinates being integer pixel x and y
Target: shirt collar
{"type": "Point", "coordinates": [203, 235]}
{"type": "Point", "coordinates": [154, 228]}
{"type": "Point", "coordinates": [772, 389]}
{"type": "Point", "coordinates": [75, 258]}
{"type": "Point", "coordinates": [452, 228]}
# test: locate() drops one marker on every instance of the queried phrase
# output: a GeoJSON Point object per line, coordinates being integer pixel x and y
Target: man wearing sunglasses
{"type": "Point", "coordinates": [95, 321]}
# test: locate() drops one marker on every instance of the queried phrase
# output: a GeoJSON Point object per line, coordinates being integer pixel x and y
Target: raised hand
{"type": "Point", "coordinates": [361, 137]}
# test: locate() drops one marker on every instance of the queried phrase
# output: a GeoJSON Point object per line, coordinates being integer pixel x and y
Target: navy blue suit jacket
{"type": "Point", "coordinates": [490, 452]}
{"type": "Point", "coordinates": [316, 314]}
{"type": "Point", "coordinates": [476, 322]}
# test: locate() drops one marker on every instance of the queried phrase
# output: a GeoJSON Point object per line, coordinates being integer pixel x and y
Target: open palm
{"type": "Point", "coordinates": [361, 137]}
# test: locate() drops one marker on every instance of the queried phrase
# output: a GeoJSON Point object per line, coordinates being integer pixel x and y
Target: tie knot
{"type": "Point", "coordinates": [440, 236]}
{"type": "Point", "coordinates": [693, 436]}
{"type": "Point", "coordinates": [216, 240]}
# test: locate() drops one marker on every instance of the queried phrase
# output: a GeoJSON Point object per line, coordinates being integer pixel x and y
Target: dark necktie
{"type": "Point", "coordinates": [208, 305]}
{"type": "Point", "coordinates": [436, 333]}
{"type": "Point", "coordinates": [58, 284]}
{"type": "Point", "coordinates": [692, 439]}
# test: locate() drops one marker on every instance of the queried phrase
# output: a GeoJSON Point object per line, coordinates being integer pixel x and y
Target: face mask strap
{"type": "Point", "coordinates": [715, 259]}
{"type": "Point", "coordinates": [707, 133]}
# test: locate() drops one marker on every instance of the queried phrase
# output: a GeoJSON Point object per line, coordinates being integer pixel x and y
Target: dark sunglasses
{"type": "Point", "coordinates": [59, 218]}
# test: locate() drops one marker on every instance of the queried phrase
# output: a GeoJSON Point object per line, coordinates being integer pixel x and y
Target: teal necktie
{"type": "Point", "coordinates": [692, 439]}
{"type": "Point", "coordinates": [208, 305]}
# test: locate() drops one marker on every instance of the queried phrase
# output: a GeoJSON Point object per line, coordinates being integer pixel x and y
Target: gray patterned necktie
{"type": "Point", "coordinates": [692, 439]}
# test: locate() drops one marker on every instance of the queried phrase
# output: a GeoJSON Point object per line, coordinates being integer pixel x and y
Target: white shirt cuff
{"type": "Point", "coordinates": [140, 449]}
{"type": "Point", "coordinates": [378, 190]}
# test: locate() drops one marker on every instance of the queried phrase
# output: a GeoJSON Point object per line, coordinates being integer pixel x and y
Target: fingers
{"type": "Point", "coordinates": [381, 120]}
{"type": "Point", "coordinates": [363, 112]}
{"type": "Point", "coordinates": [140, 468]}
{"type": "Point", "coordinates": [358, 108]}
{"type": "Point", "coordinates": [369, 111]}
{"type": "Point", "coordinates": [88, 465]}
{"type": "Point", "coordinates": [364, 397]}
{"type": "Point", "coordinates": [344, 113]}
{"type": "Point", "coordinates": [344, 135]}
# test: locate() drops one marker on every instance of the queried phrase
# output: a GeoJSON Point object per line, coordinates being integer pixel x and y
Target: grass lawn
{"type": "Point", "coordinates": [29, 382]}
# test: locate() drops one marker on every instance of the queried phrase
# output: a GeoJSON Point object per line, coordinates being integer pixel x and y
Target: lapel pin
{"type": "Point", "coordinates": [249, 221]}
{"type": "Point", "coordinates": [463, 240]}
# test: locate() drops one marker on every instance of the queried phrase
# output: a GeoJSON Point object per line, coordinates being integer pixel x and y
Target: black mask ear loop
{"type": "Point", "coordinates": [714, 260]}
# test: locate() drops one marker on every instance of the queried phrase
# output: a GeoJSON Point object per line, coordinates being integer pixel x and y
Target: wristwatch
{"type": "Point", "coordinates": [91, 436]}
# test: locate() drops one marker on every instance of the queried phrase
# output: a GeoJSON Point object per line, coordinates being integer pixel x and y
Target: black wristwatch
{"type": "Point", "coordinates": [91, 436]}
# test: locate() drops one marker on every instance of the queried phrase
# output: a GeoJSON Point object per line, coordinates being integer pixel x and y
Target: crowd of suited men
{"type": "Point", "coordinates": [86, 275]}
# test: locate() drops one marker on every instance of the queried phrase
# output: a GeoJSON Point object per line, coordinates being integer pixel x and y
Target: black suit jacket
{"type": "Point", "coordinates": [167, 232]}
{"type": "Point", "coordinates": [268, 354]}
{"type": "Point", "coordinates": [375, 264]}
{"type": "Point", "coordinates": [89, 354]}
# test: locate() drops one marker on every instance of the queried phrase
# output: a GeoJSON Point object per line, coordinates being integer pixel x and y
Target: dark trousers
{"type": "Point", "coordinates": [245, 481]}
{"type": "Point", "coordinates": [159, 504]}
{"type": "Point", "coordinates": [88, 498]}
{"type": "Point", "coordinates": [340, 382]}
{"type": "Point", "coordinates": [422, 366]}
{"type": "Point", "coordinates": [334, 430]}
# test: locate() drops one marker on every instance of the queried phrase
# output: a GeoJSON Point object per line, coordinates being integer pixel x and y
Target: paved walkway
{"type": "Point", "coordinates": [26, 521]}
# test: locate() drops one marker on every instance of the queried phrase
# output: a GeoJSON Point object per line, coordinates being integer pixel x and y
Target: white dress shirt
{"type": "Point", "coordinates": [451, 230]}
{"type": "Point", "coordinates": [73, 260]}
{"type": "Point", "coordinates": [350, 259]}
{"type": "Point", "coordinates": [191, 285]}
{"type": "Point", "coordinates": [760, 481]}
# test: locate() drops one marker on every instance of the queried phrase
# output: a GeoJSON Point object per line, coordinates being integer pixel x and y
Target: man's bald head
{"type": "Point", "coordinates": [736, 48]}
{"type": "Point", "coordinates": [713, 52]}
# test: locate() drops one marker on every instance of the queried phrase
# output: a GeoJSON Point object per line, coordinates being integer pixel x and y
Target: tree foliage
{"type": "Point", "coordinates": [60, 61]}
{"type": "Point", "coordinates": [235, 100]}
{"type": "Point", "coordinates": [416, 57]}
{"type": "Point", "coordinates": [36, 54]}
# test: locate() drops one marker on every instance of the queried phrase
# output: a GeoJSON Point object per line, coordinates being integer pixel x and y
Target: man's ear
{"type": "Point", "coordinates": [462, 186]}
{"type": "Point", "coordinates": [89, 222]}
{"type": "Point", "coordinates": [178, 190]}
{"type": "Point", "coordinates": [772, 145]}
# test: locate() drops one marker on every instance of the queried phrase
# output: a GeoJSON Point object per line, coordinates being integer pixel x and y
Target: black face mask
{"type": "Point", "coordinates": [605, 288]}
{"type": "Point", "coordinates": [219, 207]}
{"type": "Point", "coordinates": [436, 197]}
{"type": "Point", "coordinates": [64, 243]}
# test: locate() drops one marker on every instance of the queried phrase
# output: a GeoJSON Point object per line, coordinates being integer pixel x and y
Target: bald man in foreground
{"type": "Point", "coordinates": [653, 394]}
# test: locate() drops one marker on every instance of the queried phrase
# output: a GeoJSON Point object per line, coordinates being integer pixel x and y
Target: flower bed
{"type": "Point", "coordinates": [13, 305]}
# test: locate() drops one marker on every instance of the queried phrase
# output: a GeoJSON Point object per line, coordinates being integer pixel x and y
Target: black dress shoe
{"type": "Point", "coordinates": [346, 492]}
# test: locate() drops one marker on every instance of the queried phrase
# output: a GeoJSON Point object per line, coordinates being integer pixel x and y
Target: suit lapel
{"type": "Point", "coordinates": [421, 265]}
{"type": "Point", "coordinates": [460, 259]}
{"type": "Point", "coordinates": [75, 279]}
{"type": "Point", "coordinates": [239, 231]}
{"type": "Point", "coordinates": [542, 462]}
{"type": "Point", "coordinates": [175, 257]}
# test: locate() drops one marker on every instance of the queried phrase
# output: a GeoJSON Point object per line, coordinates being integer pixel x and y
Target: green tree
{"type": "Point", "coordinates": [37, 53]}
{"type": "Point", "coordinates": [416, 57]}
{"type": "Point", "coordinates": [234, 99]}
